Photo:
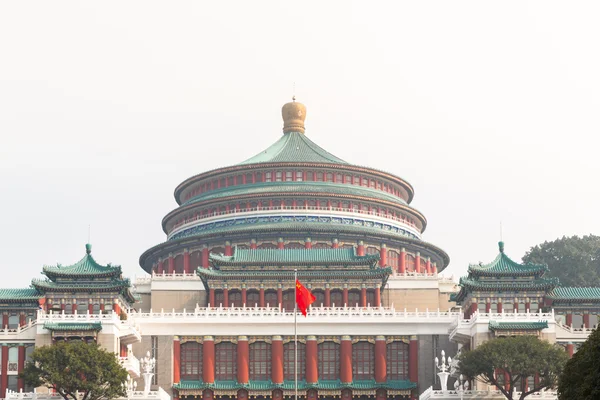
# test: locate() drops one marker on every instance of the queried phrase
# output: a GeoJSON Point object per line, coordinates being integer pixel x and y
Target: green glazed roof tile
{"type": "Point", "coordinates": [27, 294]}
{"type": "Point", "coordinates": [376, 273]}
{"type": "Point", "coordinates": [290, 385]}
{"type": "Point", "coordinates": [535, 284]}
{"type": "Point", "coordinates": [575, 293]}
{"type": "Point", "coordinates": [78, 326]}
{"type": "Point", "coordinates": [87, 266]}
{"type": "Point", "coordinates": [294, 147]}
{"type": "Point", "coordinates": [504, 266]}
{"type": "Point", "coordinates": [269, 257]}
{"type": "Point", "coordinates": [514, 326]}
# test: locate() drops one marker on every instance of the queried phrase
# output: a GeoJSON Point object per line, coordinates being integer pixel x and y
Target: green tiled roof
{"type": "Point", "coordinates": [270, 257]}
{"type": "Point", "coordinates": [577, 294]}
{"type": "Point", "coordinates": [504, 266]}
{"type": "Point", "coordinates": [302, 385]}
{"type": "Point", "coordinates": [535, 284]}
{"type": "Point", "coordinates": [19, 295]}
{"type": "Point", "coordinates": [85, 267]}
{"type": "Point", "coordinates": [517, 326]}
{"type": "Point", "coordinates": [77, 326]}
{"type": "Point", "coordinates": [308, 187]}
{"type": "Point", "coordinates": [294, 147]}
{"type": "Point", "coordinates": [120, 286]}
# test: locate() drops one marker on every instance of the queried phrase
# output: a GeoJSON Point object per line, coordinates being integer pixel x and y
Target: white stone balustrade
{"type": "Point", "coordinates": [482, 394]}
{"type": "Point", "coordinates": [159, 394]}
{"type": "Point", "coordinates": [21, 332]}
{"type": "Point", "coordinates": [131, 364]}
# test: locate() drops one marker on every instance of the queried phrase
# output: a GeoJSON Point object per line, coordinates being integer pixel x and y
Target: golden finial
{"type": "Point", "coordinates": [293, 116]}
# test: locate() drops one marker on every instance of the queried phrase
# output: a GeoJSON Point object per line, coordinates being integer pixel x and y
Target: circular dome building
{"type": "Point", "coordinates": [292, 195]}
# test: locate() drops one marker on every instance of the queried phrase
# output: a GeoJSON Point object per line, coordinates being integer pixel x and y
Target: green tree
{"type": "Point", "coordinates": [581, 377]}
{"type": "Point", "coordinates": [574, 260]}
{"type": "Point", "coordinates": [70, 367]}
{"type": "Point", "coordinates": [519, 357]}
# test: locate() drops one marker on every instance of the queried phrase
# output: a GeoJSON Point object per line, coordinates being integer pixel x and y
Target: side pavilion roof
{"type": "Point", "coordinates": [575, 294]}
{"type": "Point", "coordinates": [504, 266]}
{"type": "Point", "coordinates": [86, 267]}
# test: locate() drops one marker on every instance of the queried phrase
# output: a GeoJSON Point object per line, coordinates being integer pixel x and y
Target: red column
{"type": "Point", "coordinates": [159, 268]}
{"type": "Point", "coordinates": [418, 262]}
{"type": "Point", "coordinates": [569, 319]}
{"type": "Point", "coordinates": [335, 244]}
{"type": "Point", "coordinates": [413, 359]}
{"type": "Point", "coordinates": [21, 367]}
{"type": "Point", "coordinates": [243, 355]}
{"type": "Point", "coordinates": [307, 243]}
{"type": "Point", "coordinates": [380, 359]}
{"type": "Point", "coordinates": [312, 373]}
{"type": "Point", "coordinates": [171, 267]}
{"type": "Point", "coordinates": [101, 306]}
{"type": "Point", "coordinates": [488, 306]}
{"type": "Point", "coordinates": [205, 257]}
{"type": "Point", "coordinates": [22, 319]}
{"type": "Point", "coordinates": [428, 266]}
{"type": "Point", "coordinates": [346, 359]}
{"type": "Point", "coordinates": [277, 359]}
{"type": "Point", "coordinates": [186, 261]}
{"type": "Point", "coordinates": [499, 306]}
{"type": "Point", "coordinates": [361, 248]}
{"type": "Point", "coordinates": [90, 307]}
{"type": "Point", "coordinates": [211, 297]}
{"type": "Point", "coordinates": [363, 296]}
{"type": "Point", "coordinates": [586, 319]}
{"type": "Point", "coordinates": [74, 306]}
{"type": "Point", "coordinates": [383, 255]}
{"type": "Point", "coordinates": [377, 297]}
{"type": "Point", "coordinates": [570, 349]}
{"type": "Point", "coordinates": [345, 295]}
{"type": "Point", "coordinates": [434, 269]}
{"type": "Point", "coordinates": [327, 295]}
{"type": "Point", "coordinates": [116, 307]}
{"type": "Point", "coordinates": [253, 244]}
{"type": "Point", "coordinates": [225, 297]}
{"type": "Point", "coordinates": [280, 243]}
{"type": "Point", "coordinates": [261, 297]}
{"type": "Point", "coordinates": [474, 306]}
{"type": "Point", "coordinates": [516, 305]}
{"type": "Point", "coordinates": [176, 360]}
{"type": "Point", "coordinates": [402, 261]}
{"type": "Point", "coordinates": [208, 359]}
{"type": "Point", "coordinates": [228, 248]}
{"type": "Point", "coordinates": [244, 295]}
{"type": "Point", "coordinates": [279, 296]}
{"type": "Point", "coordinates": [4, 371]}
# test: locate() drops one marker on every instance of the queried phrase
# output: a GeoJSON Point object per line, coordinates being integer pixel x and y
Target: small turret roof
{"type": "Point", "coordinates": [518, 326]}
{"type": "Point", "coordinates": [87, 266]}
{"type": "Point", "coordinates": [504, 266]}
{"type": "Point", "coordinates": [294, 147]}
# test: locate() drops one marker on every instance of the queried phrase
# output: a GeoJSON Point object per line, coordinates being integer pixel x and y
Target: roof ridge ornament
{"type": "Point", "coordinates": [293, 116]}
{"type": "Point", "coordinates": [501, 246]}
{"type": "Point", "coordinates": [88, 248]}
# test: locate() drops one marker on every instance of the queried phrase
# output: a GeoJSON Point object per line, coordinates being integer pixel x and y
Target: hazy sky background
{"type": "Point", "coordinates": [490, 110]}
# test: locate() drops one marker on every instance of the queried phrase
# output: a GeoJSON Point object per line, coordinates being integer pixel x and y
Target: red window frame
{"type": "Point", "coordinates": [288, 361]}
{"type": "Point", "coordinates": [329, 361]}
{"type": "Point", "coordinates": [337, 298]}
{"type": "Point", "coordinates": [191, 361]}
{"type": "Point", "coordinates": [363, 361]}
{"type": "Point", "coordinates": [260, 361]}
{"type": "Point", "coordinates": [226, 361]}
{"type": "Point", "coordinates": [397, 360]}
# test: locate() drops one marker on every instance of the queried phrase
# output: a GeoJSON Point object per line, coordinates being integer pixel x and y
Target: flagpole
{"type": "Point", "coordinates": [295, 335]}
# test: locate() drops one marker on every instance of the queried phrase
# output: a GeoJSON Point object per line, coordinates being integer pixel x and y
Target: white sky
{"type": "Point", "coordinates": [489, 109]}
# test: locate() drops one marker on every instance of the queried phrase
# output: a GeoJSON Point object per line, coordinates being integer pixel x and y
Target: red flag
{"type": "Point", "coordinates": [304, 297]}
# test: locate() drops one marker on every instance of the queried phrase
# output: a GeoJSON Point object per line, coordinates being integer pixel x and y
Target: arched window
{"type": "Point", "coordinates": [397, 361]}
{"type": "Point", "coordinates": [353, 298]}
{"type": "Point", "coordinates": [329, 177]}
{"type": "Point", "coordinates": [321, 245]}
{"type": "Point", "coordinates": [260, 361]}
{"type": "Point", "coordinates": [217, 250]}
{"type": "Point", "coordinates": [294, 245]}
{"type": "Point", "coordinates": [288, 300]}
{"type": "Point", "coordinates": [320, 298]}
{"type": "Point", "coordinates": [226, 361]}
{"type": "Point", "coordinates": [235, 298]}
{"type": "Point", "coordinates": [267, 246]}
{"type": "Point", "coordinates": [271, 299]}
{"type": "Point", "coordinates": [393, 259]}
{"type": "Point", "coordinates": [191, 361]}
{"type": "Point", "coordinates": [337, 298]}
{"type": "Point", "coordinates": [363, 361]}
{"type": "Point", "coordinates": [253, 298]}
{"type": "Point", "coordinates": [329, 361]}
{"type": "Point", "coordinates": [288, 361]}
{"type": "Point", "coordinates": [195, 260]}
{"type": "Point", "coordinates": [372, 250]}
